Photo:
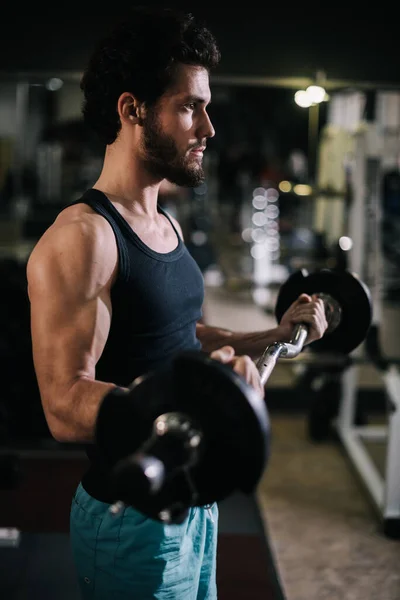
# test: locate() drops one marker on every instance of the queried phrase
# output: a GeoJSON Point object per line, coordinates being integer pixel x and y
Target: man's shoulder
{"type": "Point", "coordinates": [78, 220]}
{"type": "Point", "coordinates": [76, 227]}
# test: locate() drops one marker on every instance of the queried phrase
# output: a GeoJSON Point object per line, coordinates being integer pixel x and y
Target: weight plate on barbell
{"type": "Point", "coordinates": [348, 290]}
{"type": "Point", "coordinates": [232, 420]}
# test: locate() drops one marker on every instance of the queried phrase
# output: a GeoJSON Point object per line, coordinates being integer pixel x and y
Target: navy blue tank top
{"type": "Point", "coordinates": [156, 303]}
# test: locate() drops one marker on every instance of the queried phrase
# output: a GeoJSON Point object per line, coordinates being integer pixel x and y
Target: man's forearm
{"type": "Point", "coordinates": [73, 419]}
{"type": "Point", "coordinates": [253, 343]}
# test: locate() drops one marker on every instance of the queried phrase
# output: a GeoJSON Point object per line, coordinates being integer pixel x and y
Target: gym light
{"type": "Point", "coordinates": [302, 189]}
{"type": "Point", "coordinates": [314, 94]}
{"type": "Point", "coordinates": [54, 84]}
{"type": "Point", "coordinates": [285, 186]}
{"type": "Point", "coordinates": [345, 243]}
{"type": "Point", "coordinates": [302, 99]}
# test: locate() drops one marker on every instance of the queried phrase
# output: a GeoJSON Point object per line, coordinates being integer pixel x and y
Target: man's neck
{"type": "Point", "coordinates": [124, 181]}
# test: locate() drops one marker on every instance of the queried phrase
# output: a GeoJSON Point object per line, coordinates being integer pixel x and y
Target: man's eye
{"type": "Point", "coordinates": [190, 106]}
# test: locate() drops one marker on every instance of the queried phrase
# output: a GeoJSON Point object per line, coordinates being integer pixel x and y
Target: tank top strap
{"type": "Point", "coordinates": [99, 203]}
{"type": "Point", "coordinates": [167, 216]}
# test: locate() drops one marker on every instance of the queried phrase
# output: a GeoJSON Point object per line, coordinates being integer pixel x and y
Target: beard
{"type": "Point", "coordinates": [162, 158]}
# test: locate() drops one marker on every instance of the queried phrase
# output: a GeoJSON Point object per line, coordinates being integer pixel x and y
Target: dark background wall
{"type": "Point", "coordinates": [359, 44]}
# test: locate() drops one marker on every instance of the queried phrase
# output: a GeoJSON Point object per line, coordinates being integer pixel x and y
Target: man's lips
{"type": "Point", "coordinates": [198, 150]}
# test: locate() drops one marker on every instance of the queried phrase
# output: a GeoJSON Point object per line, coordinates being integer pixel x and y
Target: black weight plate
{"type": "Point", "coordinates": [231, 417]}
{"type": "Point", "coordinates": [234, 422]}
{"type": "Point", "coordinates": [348, 290]}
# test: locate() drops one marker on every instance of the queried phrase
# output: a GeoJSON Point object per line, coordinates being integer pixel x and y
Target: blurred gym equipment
{"type": "Point", "coordinates": [361, 160]}
{"type": "Point", "coordinates": [365, 230]}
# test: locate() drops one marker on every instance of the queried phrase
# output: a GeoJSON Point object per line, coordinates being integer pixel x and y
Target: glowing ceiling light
{"type": "Point", "coordinates": [316, 93]}
{"type": "Point", "coordinates": [285, 186]}
{"type": "Point", "coordinates": [54, 84]}
{"type": "Point", "coordinates": [302, 189]}
{"type": "Point", "coordinates": [302, 99]}
{"type": "Point", "coordinates": [345, 243]}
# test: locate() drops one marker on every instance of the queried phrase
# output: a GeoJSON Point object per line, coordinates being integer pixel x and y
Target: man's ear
{"type": "Point", "coordinates": [130, 109]}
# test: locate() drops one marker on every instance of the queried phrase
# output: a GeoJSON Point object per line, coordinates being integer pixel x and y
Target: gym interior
{"type": "Point", "coordinates": [302, 178]}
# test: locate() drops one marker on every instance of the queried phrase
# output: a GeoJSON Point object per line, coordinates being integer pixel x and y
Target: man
{"type": "Point", "coordinates": [115, 293]}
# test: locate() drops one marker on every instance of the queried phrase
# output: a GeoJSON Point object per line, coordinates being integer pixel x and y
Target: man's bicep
{"type": "Point", "coordinates": [68, 336]}
{"type": "Point", "coordinates": [70, 321]}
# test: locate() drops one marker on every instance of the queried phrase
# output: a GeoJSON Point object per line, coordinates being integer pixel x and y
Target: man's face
{"type": "Point", "coordinates": [175, 131]}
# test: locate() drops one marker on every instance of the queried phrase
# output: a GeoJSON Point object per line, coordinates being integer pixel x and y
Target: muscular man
{"type": "Point", "coordinates": [115, 293]}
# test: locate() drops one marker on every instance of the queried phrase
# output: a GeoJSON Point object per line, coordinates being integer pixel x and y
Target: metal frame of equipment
{"type": "Point", "coordinates": [366, 260]}
{"type": "Point", "coordinates": [383, 489]}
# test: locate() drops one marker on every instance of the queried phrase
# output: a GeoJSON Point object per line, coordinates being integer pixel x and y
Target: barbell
{"type": "Point", "coordinates": [194, 432]}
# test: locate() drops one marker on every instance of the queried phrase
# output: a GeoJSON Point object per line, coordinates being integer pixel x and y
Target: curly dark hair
{"type": "Point", "coordinates": [140, 55]}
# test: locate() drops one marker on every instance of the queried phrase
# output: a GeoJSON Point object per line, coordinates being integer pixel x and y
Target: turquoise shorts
{"type": "Point", "coordinates": [130, 556]}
